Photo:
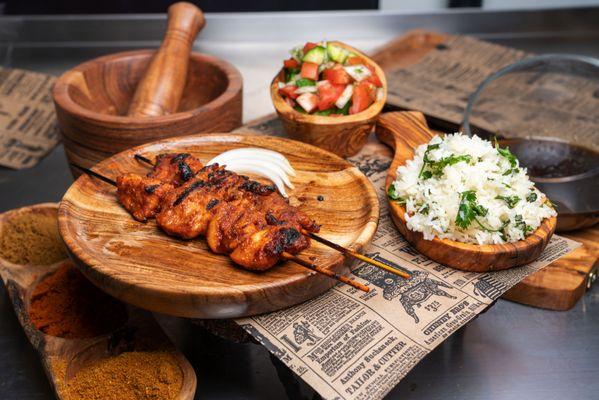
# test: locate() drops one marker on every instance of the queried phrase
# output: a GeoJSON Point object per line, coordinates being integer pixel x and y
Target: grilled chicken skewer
{"type": "Point", "coordinates": [311, 234]}
{"type": "Point", "coordinates": [283, 255]}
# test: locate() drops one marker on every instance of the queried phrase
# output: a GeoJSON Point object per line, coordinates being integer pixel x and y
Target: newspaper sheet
{"type": "Point", "coordinates": [28, 128]}
{"type": "Point", "coordinates": [560, 100]}
{"type": "Point", "coordinates": [347, 344]}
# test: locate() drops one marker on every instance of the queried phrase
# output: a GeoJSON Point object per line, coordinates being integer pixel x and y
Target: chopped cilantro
{"type": "Point", "coordinates": [432, 168]}
{"type": "Point", "coordinates": [531, 197]}
{"type": "Point", "coordinates": [511, 201]}
{"type": "Point", "coordinates": [426, 160]}
{"type": "Point", "coordinates": [299, 109]}
{"type": "Point", "coordinates": [424, 210]}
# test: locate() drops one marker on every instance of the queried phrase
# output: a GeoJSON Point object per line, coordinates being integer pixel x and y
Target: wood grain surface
{"type": "Point", "coordinates": [404, 131]}
{"type": "Point", "coordinates": [343, 135]}
{"type": "Point", "coordinates": [141, 265]}
{"type": "Point", "coordinates": [62, 358]}
{"type": "Point", "coordinates": [159, 91]}
{"type": "Point", "coordinates": [92, 100]}
{"type": "Point", "coordinates": [546, 288]}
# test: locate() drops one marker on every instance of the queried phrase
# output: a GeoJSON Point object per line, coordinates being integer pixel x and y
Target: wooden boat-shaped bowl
{"type": "Point", "coordinates": [141, 265]}
{"type": "Point", "coordinates": [405, 131]}
{"type": "Point", "coordinates": [61, 357]}
{"type": "Point", "coordinates": [343, 135]}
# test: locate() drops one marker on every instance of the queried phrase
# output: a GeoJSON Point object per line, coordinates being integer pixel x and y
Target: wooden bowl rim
{"type": "Point", "coordinates": [375, 108]}
{"type": "Point", "coordinates": [92, 270]}
{"type": "Point", "coordinates": [62, 99]}
{"type": "Point", "coordinates": [533, 239]}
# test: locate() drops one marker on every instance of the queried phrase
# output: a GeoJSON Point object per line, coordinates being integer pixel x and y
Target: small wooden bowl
{"type": "Point", "coordinates": [344, 135]}
{"type": "Point", "coordinates": [405, 131]}
{"type": "Point", "coordinates": [61, 357]}
{"type": "Point", "coordinates": [92, 100]}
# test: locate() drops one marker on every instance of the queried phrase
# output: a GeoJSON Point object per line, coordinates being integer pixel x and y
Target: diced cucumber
{"type": "Point", "coordinates": [337, 53]}
{"type": "Point", "coordinates": [297, 53]}
{"type": "Point", "coordinates": [305, 82]}
{"type": "Point", "coordinates": [317, 55]}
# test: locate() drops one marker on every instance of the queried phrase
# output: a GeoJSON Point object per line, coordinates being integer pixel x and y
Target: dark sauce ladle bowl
{"type": "Point", "coordinates": [563, 166]}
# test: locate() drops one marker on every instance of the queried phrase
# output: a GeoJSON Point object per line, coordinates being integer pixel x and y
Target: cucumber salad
{"type": "Point", "coordinates": [326, 79]}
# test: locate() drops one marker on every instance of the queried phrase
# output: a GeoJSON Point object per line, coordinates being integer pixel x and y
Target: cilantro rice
{"type": "Point", "coordinates": [468, 190]}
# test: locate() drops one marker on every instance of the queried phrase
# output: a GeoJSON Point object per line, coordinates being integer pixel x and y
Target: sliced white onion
{"type": "Point", "coordinates": [379, 94]}
{"type": "Point", "coordinates": [306, 89]}
{"type": "Point", "coordinates": [255, 153]}
{"type": "Point", "coordinates": [358, 72]}
{"type": "Point", "coordinates": [322, 83]}
{"type": "Point", "coordinates": [267, 165]}
{"type": "Point", "coordinates": [268, 171]}
{"type": "Point", "coordinates": [345, 96]}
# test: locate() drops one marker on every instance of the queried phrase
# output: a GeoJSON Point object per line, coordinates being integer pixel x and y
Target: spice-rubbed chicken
{"type": "Point", "coordinates": [249, 221]}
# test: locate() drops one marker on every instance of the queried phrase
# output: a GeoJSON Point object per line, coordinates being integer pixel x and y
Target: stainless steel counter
{"type": "Point", "coordinates": [510, 352]}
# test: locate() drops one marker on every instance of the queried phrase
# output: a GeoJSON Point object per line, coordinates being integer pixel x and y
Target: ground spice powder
{"type": "Point", "coordinates": [31, 238]}
{"type": "Point", "coordinates": [67, 305]}
{"type": "Point", "coordinates": [136, 375]}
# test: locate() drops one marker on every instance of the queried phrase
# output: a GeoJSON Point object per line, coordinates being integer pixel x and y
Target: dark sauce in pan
{"type": "Point", "coordinates": [552, 158]}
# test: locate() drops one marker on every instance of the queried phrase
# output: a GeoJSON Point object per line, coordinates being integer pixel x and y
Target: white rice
{"type": "Point", "coordinates": [432, 204]}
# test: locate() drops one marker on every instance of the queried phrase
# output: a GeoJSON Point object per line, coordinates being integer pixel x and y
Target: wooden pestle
{"type": "Point", "coordinates": [160, 89]}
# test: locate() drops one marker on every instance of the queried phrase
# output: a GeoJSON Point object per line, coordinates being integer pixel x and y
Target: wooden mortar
{"type": "Point", "coordinates": [122, 100]}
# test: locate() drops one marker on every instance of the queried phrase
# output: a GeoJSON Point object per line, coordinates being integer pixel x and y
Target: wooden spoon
{"type": "Point", "coordinates": [404, 132]}
{"type": "Point", "coordinates": [159, 91]}
{"type": "Point", "coordinates": [343, 135]}
{"type": "Point", "coordinates": [62, 358]}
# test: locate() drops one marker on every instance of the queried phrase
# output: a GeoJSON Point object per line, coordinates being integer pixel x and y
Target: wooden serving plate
{"type": "Point", "coordinates": [343, 135]}
{"type": "Point", "coordinates": [139, 264]}
{"type": "Point", "coordinates": [62, 358]}
{"type": "Point", "coordinates": [405, 131]}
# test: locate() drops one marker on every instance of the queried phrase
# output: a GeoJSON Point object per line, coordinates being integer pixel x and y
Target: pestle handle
{"type": "Point", "coordinates": [160, 89]}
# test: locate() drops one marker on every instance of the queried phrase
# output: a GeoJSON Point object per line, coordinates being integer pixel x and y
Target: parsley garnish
{"type": "Point", "coordinates": [432, 168]}
{"type": "Point", "coordinates": [393, 196]}
{"type": "Point", "coordinates": [469, 210]}
{"type": "Point", "coordinates": [520, 224]}
{"type": "Point", "coordinates": [531, 197]}
{"type": "Point", "coordinates": [510, 200]}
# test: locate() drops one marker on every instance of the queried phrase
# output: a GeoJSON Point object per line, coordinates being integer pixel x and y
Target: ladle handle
{"type": "Point", "coordinates": [159, 91]}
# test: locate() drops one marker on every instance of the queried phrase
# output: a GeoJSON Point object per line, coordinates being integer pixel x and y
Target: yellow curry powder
{"type": "Point", "coordinates": [135, 375]}
{"type": "Point", "coordinates": [31, 238]}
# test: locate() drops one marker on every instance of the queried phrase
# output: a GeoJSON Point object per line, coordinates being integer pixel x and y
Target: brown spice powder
{"type": "Point", "coordinates": [31, 238]}
{"type": "Point", "coordinates": [67, 305]}
{"type": "Point", "coordinates": [136, 375]}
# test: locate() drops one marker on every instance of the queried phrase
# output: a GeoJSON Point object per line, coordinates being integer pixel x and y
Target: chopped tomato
{"type": "Point", "coordinates": [290, 63]}
{"type": "Point", "coordinates": [288, 91]}
{"type": "Point", "coordinates": [328, 95]}
{"type": "Point", "coordinates": [308, 101]}
{"type": "Point", "coordinates": [364, 95]}
{"type": "Point", "coordinates": [309, 46]}
{"type": "Point", "coordinates": [373, 78]}
{"type": "Point", "coordinates": [355, 61]}
{"type": "Point", "coordinates": [290, 102]}
{"type": "Point", "coordinates": [337, 76]}
{"type": "Point", "coordinates": [310, 71]}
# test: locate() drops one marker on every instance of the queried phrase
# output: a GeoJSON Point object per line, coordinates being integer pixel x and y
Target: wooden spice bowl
{"type": "Point", "coordinates": [343, 135]}
{"type": "Point", "coordinates": [92, 100]}
{"type": "Point", "coordinates": [404, 132]}
{"type": "Point", "coordinates": [62, 357]}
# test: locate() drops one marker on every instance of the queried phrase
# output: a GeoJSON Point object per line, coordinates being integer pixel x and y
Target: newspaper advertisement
{"type": "Point", "coordinates": [348, 344]}
{"type": "Point", "coordinates": [28, 128]}
{"type": "Point", "coordinates": [557, 99]}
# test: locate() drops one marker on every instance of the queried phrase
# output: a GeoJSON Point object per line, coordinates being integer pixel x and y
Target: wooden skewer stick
{"type": "Point", "coordinates": [326, 242]}
{"type": "Point", "coordinates": [357, 255]}
{"type": "Point", "coordinates": [285, 255]}
{"type": "Point", "coordinates": [323, 271]}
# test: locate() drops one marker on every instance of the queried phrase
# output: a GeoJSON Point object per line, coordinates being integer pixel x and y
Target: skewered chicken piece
{"type": "Point", "coordinates": [255, 225]}
{"type": "Point", "coordinates": [175, 168]}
